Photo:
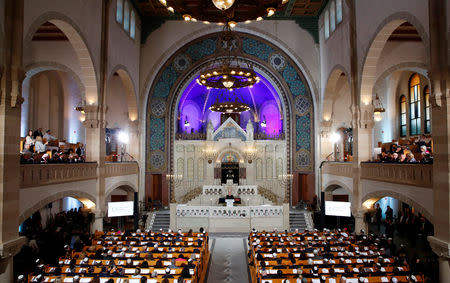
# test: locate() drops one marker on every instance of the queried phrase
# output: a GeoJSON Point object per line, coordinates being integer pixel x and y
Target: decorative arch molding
{"type": "Point", "coordinates": [407, 66]}
{"type": "Point", "coordinates": [418, 207]}
{"type": "Point", "coordinates": [145, 98]}
{"type": "Point", "coordinates": [79, 44]}
{"type": "Point", "coordinates": [332, 185]}
{"type": "Point", "coordinates": [165, 90]}
{"type": "Point", "coordinates": [377, 43]}
{"type": "Point", "coordinates": [127, 186]}
{"type": "Point", "coordinates": [60, 195]}
{"type": "Point", "coordinates": [330, 88]}
{"type": "Point", "coordinates": [128, 83]}
{"type": "Point", "coordinates": [36, 68]}
{"type": "Point", "coordinates": [231, 150]}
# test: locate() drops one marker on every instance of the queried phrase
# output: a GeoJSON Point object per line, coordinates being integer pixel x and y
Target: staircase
{"type": "Point", "coordinates": [159, 220]}
{"type": "Point", "coordinates": [301, 220]}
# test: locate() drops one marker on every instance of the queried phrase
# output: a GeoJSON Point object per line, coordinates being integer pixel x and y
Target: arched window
{"type": "Point", "coordinates": [338, 11]}
{"type": "Point", "coordinates": [133, 25]}
{"type": "Point", "coordinates": [332, 16]}
{"type": "Point", "coordinates": [126, 17]}
{"type": "Point", "coordinates": [119, 11]}
{"type": "Point", "coordinates": [402, 116]}
{"type": "Point", "coordinates": [414, 105]}
{"type": "Point", "coordinates": [327, 25]}
{"type": "Point", "coordinates": [427, 109]}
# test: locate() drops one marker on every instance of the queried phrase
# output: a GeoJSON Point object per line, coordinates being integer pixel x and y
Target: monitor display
{"type": "Point", "coordinates": [338, 208]}
{"type": "Point", "coordinates": [120, 208]}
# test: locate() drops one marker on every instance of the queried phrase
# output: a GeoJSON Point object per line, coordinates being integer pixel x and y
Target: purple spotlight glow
{"type": "Point", "coordinates": [262, 99]}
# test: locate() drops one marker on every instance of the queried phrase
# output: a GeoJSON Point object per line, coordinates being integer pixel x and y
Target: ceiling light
{"type": "Point", "coordinates": [270, 11]}
{"type": "Point", "coordinates": [223, 4]}
{"type": "Point", "coordinates": [171, 9]}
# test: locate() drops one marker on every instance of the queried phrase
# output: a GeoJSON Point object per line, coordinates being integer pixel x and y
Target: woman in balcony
{"type": "Point", "coordinates": [39, 146]}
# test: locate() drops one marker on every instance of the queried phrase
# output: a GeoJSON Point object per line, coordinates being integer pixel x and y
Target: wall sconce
{"type": "Point", "coordinates": [250, 153]}
{"type": "Point", "coordinates": [210, 154]}
{"type": "Point", "coordinates": [263, 123]}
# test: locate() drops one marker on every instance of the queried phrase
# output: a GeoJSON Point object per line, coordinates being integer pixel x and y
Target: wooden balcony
{"type": "Point", "coordinates": [121, 168]}
{"type": "Point", "coordinates": [420, 175]}
{"type": "Point", "coordinates": [34, 175]}
{"type": "Point", "coordinates": [338, 168]}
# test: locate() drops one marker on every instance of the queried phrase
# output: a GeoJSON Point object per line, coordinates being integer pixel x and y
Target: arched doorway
{"type": "Point", "coordinates": [121, 193]}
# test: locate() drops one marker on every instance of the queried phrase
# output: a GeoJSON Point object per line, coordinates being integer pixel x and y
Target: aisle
{"type": "Point", "coordinates": [228, 261]}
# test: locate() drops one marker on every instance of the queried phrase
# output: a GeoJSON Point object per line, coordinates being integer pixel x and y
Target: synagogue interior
{"type": "Point", "coordinates": [210, 141]}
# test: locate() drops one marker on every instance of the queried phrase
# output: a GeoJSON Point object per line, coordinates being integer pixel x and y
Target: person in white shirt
{"type": "Point", "coordinates": [48, 136]}
{"type": "Point", "coordinates": [39, 147]}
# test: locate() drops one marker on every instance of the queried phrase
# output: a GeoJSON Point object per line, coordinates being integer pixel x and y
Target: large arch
{"type": "Point", "coordinates": [376, 195]}
{"type": "Point", "coordinates": [79, 44]}
{"type": "Point", "coordinates": [373, 53]}
{"type": "Point", "coordinates": [126, 184]}
{"type": "Point", "coordinates": [80, 195]}
{"type": "Point", "coordinates": [329, 94]}
{"type": "Point", "coordinates": [414, 66]}
{"type": "Point", "coordinates": [130, 90]}
{"type": "Point", "coordinates": [39, 67]}
{"type": "Point", "coordinates": [171, 79]}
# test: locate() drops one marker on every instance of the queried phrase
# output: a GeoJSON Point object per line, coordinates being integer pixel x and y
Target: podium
{"type": "Point", "coordinates": [229, 202]}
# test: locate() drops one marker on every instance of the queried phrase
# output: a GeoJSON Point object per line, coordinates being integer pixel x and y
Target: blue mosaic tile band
{"type": "Point", "coordinates": [303, 131]}
{"type": "Point", "coordinates": [256, 48]}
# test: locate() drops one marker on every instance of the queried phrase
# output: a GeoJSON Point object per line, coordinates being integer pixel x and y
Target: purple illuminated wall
{"type": "Point", "coordinates": [262, 98]}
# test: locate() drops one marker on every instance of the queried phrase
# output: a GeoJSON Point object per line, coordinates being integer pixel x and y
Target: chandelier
{"type": "Point", "coordinates": [228, 72]}
{"type": "Point", "coordinates": [224, 12]}
{"type": "Point", "coordinates": [229, 106]}
{"type": "Point", "coordinates": [378, 109]}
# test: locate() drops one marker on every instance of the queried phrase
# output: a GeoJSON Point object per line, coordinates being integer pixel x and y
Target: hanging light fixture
{"type": "Point", "coordinates": [378, 109]}
{"type": "Point", "coordinates": [228, 102]}
{"type": "Point", "coordinates": [228, 72]}
{"type": "Point", "coordinates": [186, 122]}
{"type": "Point", "coordinates": [224, 11]}
{"type": "Point", "coordinates": [223, 4]}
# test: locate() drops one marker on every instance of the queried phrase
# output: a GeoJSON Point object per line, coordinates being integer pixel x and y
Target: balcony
{"type": "Point", "coordinates": [34, 175]}
{"type": "Point", "coordinates": [121, 168]}
{"type": "Point", "coordinates": [420, 175]}
{"type": "Point", "coordinates": [343, 169]}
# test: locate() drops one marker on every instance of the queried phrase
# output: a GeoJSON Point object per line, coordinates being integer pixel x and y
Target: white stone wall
{"type": "Point", "coordinates": [189, 154]}
{"type": "Point", "coordinates": [85, 15]}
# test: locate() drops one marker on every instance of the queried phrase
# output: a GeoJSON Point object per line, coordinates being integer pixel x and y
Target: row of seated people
{"type": "Point", "coordinates": [51, 157]}
{"type": "Point", "coordinates": [414, 150]}
{"type": "Point", "coordinates": [328, 256]}
{"type": "Point", "coordinates": [38, 142]}
{"type": "Point", "coordinates": [132, 257]}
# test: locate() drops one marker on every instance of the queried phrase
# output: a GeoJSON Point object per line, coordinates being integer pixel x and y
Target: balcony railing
{"type": "Point", "coordinates": [338, 168]}
{"type": "Point", "coordinates": [33, 175]}
{"type": "Point", "coordinates": [420, 175]}
{"type": "Point", "coordinates": [121, 168]}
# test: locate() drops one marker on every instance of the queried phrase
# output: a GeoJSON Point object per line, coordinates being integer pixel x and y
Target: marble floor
{"type": "Point", "coordinates": [228, 262]}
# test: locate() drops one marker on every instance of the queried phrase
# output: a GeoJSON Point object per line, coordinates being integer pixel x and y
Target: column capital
{"type": "Point", "coordinates": [12, 247]}
{"type": "Point", "coordinates": [94, 116]}
{"type": "Point", "coordinates": [440, 247]}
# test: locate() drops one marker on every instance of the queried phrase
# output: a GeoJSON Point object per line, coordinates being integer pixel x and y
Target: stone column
{"type": "Point", "coordinates": [97, 224]}
{"type": "Point", "coordinates": [133, 144]}
{"type": "Point", "coordinates": [11, 79]}
{"type": "Point", "coordinates": [96, 150]}
{"type": "Point", "coordinates": [440, 119]}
